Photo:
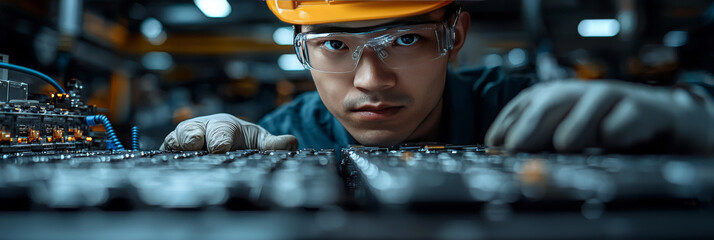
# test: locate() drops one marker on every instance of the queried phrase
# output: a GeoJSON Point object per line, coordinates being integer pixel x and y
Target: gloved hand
{"type": "Point", "coordinates": [569, 116]}
{"type": "Point", "coordinates": [224, 132]}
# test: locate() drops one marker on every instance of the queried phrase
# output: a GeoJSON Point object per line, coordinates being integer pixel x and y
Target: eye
{"type": "Point", "coordinates": [334, 45]}
{"type": "Point", "coordinates": [408, 39]}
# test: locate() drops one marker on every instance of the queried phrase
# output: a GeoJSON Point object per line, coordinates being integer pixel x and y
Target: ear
{"type": "Point", "coordinates": [462, 29]}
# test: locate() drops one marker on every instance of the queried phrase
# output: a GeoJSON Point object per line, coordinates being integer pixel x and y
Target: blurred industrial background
{"type": "Point", "coordinates": [156, 63]}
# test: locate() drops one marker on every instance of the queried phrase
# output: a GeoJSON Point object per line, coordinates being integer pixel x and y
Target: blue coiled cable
{"type": "Point", "coordinates": [33, 73]}
{"type": "Point", "coordinates": [113, 143]}
{"type": "Point", "coordinates": [135, 138]}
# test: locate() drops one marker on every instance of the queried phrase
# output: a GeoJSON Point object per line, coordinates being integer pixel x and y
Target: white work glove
{"type": "Point", "coordinates": [569, 116]}
{"type": "Point", "coordinates": [224, 132]}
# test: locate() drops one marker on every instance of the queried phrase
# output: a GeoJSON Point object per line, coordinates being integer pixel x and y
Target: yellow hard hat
{"type": "Point", "coordinates": [332, 11]}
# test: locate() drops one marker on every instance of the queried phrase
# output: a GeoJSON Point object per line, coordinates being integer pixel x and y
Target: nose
{"type": "Point", "coordinates": [373, 75]}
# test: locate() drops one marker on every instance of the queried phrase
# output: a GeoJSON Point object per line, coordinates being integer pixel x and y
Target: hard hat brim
{"type": "Point", "coordinates": [347, 11]}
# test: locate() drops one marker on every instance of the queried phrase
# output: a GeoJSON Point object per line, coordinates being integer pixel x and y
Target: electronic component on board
{"type": "Point", "coordinates": [56, 122]}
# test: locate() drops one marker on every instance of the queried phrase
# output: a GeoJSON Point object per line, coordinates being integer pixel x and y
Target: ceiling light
{"type": "Point", "coordinates": [214, 8]}
{"type": "Point", "coordinates": [283, 36]}
{"type": "Point", "coordinates": [598, 27]}
{"type": "Point", "coordinates": [157, 61]}
{"type": "Point", "coordinates": [290, 62]}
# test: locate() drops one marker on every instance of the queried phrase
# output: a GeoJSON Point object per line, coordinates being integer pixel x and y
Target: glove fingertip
{"type": "Point", "coordinates": [219, 148]}
{"type": "Point", "coordinates": [170, 142]}
{"type": "Point", "coordinates": [491, 138]}
{"type": "Point", "coordinates": [191, 143]}
{"type": "Point", "coordinates": [282, 142]}
{"type": "Point", "coordinates": [219, 140]}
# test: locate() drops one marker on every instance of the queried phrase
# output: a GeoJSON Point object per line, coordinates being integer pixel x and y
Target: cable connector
{"type": "Point", "coordinates": [113, 143]}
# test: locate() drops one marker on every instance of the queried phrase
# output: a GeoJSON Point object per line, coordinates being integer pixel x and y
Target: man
{"type": "Point", "coordinates": [381, 72]}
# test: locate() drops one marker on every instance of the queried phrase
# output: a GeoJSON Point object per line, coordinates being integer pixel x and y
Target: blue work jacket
{"type": "Point", "coordinates": [472, 99]}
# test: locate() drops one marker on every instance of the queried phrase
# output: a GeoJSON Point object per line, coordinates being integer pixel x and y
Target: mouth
{"type": "Point", "coordinates": [376, 112]}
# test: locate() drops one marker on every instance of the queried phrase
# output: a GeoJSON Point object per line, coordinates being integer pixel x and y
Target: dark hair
{"type": "Point", "coordinates": [451, 9]}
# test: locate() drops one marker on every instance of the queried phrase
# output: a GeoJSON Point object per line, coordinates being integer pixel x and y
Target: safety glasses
{"type": "Point", "coordinates": [397, 47]}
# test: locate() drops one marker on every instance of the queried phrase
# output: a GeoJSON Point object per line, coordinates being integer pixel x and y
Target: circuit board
{"type": "Point", "coordinates": [55, 122]}
{"type": "Point", "coordinates": [125, 180]}
{"type": "Point", "coordinates": [430, 175]}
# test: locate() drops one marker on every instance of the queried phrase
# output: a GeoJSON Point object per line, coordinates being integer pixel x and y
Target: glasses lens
{"type": "Point", "coordinates": [397, 47]}
{"type": "Point", "coordinates": [332, 53]}
{"type": "Point", "coordinates": [412, 47]}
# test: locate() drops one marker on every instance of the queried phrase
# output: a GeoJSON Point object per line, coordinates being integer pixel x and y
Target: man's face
{"type": "Point", "coordinates": [379, 105]}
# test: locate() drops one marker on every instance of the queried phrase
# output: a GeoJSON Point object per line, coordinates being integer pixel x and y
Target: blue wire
{"type": "Point", "coordinates": [135, 138]}
{"type": "Point", "coordinates": [113, 143]}
{"type": "Point", "coordinates": [33, 73]}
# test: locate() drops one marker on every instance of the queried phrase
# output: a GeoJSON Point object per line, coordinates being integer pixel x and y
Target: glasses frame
{"type": "Point", "coordinates": [377, 43]}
